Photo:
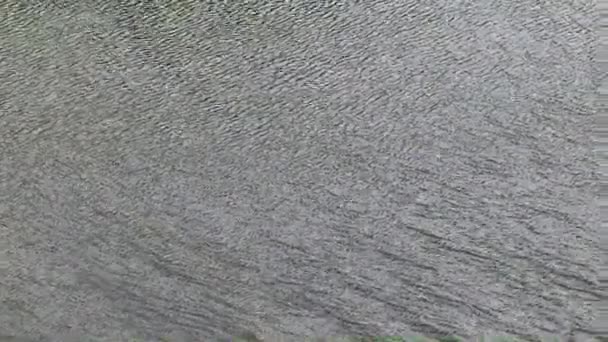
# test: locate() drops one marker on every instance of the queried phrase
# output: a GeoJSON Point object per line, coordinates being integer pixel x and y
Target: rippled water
{"type": "Point", "coordinates": [295, 169]}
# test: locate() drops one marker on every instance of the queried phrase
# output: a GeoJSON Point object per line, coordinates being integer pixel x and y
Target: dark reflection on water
{"type": "Point", "coordinates": [293, 169]}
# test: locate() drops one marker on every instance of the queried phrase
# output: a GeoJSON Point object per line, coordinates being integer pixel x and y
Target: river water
{"type": "Point", "coordinates": [296, 169]}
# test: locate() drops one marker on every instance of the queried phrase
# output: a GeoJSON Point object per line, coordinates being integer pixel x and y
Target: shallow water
{"type": "Point", "coordinates": [297, 170]}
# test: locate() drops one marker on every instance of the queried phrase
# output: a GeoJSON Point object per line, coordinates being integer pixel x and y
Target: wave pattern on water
{"type": "Point", "coordinates": [297, 168]}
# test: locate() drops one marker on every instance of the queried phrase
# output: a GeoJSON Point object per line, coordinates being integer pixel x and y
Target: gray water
{"type": "Point", "coordinates": [297, 169]}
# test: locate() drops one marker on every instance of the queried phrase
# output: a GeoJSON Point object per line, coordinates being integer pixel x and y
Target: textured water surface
{"type": "Point", "coordinates": [296, 168]}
